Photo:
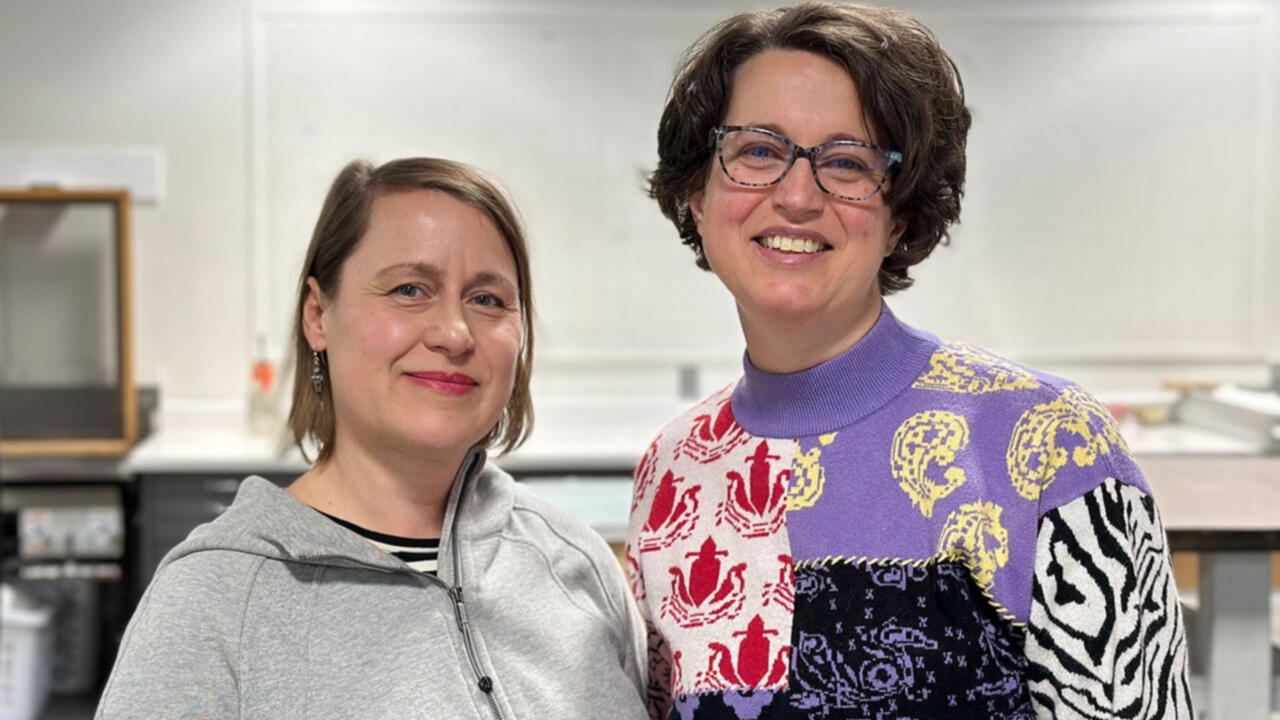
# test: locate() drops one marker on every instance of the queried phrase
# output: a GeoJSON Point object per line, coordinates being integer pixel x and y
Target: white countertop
{"type": "Point", "coordinates": [1179, 439]}
{"type": "Point", "coordinates": [591, 434]}
{"type": "Point", "coordinates": [199, 437]}
{"type": "Point", "coordinates": [585, 445]}
{"type": "Point", "coordinates": [587, 434]}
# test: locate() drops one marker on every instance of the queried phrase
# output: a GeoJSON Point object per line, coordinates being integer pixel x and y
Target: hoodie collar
{"type": "Point", "coordinates": [838, 392]}
{"type": "Point", "coordinates": [265, 520]}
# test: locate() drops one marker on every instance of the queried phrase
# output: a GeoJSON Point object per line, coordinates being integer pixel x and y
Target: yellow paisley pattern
{"type": "Point", "coordinates": [975, 533]}
{"type": "Point", "coordinates": [931, 437]}
{"type": "Point", "coordinates": [1038, 446]}
{"type": "Point", "coordinates": [808, 477]}
{"type": "Point", "coordinates": [963, 368]}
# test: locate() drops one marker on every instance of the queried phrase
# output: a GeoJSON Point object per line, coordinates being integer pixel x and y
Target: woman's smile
{"type": "Point", "coordinates": [791, 247]}
{"type": "Point", "coordinates": [445, 382]}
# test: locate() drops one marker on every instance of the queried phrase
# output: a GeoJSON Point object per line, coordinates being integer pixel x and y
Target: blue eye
{"type": "Point", "coordinates": [407, 290]}
{"type": "Point", "coordinates": [846, 162]}
{"type": "Point", "coordinates": [760, 151]}
{"type": "Point", "coordinates": [488, 300]}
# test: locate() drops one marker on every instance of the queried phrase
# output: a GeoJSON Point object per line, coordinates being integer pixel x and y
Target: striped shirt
{"type": "Point", "coordinates": [421, 554]}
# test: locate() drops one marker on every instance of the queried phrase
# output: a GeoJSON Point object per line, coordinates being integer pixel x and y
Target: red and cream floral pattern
{"type": "Point", "coordinates": [710, 557]}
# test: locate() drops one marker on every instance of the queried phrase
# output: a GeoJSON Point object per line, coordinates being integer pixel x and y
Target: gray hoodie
{"type": "Point", "coordinates": [274, 611]}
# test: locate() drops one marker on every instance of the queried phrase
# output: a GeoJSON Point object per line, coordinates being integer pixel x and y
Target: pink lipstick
{"type": "Point", "coordinates": [451, 383]}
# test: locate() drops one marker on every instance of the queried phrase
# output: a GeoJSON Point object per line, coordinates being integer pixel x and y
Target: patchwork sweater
{"type": "Point", "coordinates": [913, 529]}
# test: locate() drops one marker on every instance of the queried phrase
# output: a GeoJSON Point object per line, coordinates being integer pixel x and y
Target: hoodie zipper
{"type": "Point", "coordinates": [483, 681]}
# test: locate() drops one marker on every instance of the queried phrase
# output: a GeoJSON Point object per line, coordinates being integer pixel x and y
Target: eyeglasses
{"type": "Point", "coordinates": [847, 169]}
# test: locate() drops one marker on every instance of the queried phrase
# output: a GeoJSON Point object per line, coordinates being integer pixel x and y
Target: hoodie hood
{"type": "Point", "coordinates": [268, 522]}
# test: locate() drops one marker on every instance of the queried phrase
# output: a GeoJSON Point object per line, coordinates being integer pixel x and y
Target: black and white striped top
{"type": "Point", "coordinates": [421, 554]}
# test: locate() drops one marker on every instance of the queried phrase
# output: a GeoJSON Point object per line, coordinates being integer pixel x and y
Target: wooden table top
{"type": "Point", "coordinates": [1217, 503]}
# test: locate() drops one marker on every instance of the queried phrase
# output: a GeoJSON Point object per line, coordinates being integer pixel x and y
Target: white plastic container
{"type": "Point", "coordinates": [26, 655]}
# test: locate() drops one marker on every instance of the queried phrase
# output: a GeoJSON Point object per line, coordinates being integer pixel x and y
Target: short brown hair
{"type": "Point", "coordinates": [343, 222]}
{"type": "Point", "coordinates": [912, 98]}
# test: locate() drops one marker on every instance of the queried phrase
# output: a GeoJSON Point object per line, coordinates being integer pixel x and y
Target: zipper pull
{"type": "Point", "coordinates": [485, 683]}
{"type": "Point", "coordinates": [459, 607]}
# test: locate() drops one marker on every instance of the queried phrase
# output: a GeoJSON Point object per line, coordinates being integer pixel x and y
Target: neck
{"type": "Point", "coordinates": [382, 490]}
{"type": "Point", "coordinates": [836, 393]}
{"type": "Point", "coordinates": [779, 345]}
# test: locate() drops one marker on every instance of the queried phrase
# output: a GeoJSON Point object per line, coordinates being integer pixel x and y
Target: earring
{"type": "Point", "coordinates": [682, 213]}
{"type": "Point", "coordinates": [317, 376]}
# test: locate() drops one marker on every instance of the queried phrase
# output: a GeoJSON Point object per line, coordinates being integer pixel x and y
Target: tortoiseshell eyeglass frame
{"type": "Point", "coordinates": [892, 158]}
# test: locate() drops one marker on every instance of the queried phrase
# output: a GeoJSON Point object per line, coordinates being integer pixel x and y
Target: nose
{"type": "Point", "coordinates": [797, 195]}
{"type": "Point", "coordinates": [447, 331]}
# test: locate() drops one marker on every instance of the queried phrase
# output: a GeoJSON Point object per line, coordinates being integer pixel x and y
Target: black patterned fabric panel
{"type": "Point", "coordinates": [883, 642]}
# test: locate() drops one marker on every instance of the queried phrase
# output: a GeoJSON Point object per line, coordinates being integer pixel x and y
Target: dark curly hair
{"type": "Point", "coordinates": [912, 98]}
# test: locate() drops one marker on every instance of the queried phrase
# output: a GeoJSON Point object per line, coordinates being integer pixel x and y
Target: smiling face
{"type": "Point", "coordinates": [760, 242]}
{"type": "Point", "coordinates": [424, 331]}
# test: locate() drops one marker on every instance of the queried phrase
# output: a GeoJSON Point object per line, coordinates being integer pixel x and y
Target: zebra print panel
{"type": "Point", "coordinates": [1105, 637]}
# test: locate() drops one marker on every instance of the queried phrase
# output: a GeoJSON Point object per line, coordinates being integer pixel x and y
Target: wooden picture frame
{"type": "Point", "coordinates": [117, 444]}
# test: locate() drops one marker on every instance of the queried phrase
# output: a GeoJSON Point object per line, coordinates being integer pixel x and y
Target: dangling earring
{"type": "Point", "coordinates": [317, 376]}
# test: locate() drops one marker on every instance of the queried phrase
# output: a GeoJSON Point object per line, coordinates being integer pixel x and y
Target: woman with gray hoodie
{"type": "Point", "coordinates": [402, 576]}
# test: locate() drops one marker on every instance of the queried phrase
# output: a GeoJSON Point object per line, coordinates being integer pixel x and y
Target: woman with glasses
{"type": "Point", "coordinates": [403, 575]}
{"type": "Point", "coordinates": [873, 522]}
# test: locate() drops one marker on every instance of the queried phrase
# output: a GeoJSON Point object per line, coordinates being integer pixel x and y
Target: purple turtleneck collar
{"type": "Point", "coordinates": [838, 392]}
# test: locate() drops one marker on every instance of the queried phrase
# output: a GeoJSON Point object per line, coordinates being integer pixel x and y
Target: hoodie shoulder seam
{"type": "Point", "coordinates": [595, 567]}
{"type": "Point", "coordinates": [611, 626]}
{"type": "Point", "coordinates": [244, 613]}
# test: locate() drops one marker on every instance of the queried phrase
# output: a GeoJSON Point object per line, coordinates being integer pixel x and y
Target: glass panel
{"type": "Point", "coordinates": [59, 321]}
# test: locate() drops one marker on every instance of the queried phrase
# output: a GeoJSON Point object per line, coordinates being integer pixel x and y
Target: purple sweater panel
{"type": "Point", "coordinates": [1018, 449]}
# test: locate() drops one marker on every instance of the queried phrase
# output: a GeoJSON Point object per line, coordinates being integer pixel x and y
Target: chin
{"type": "Point", "coordinates": [787, 302]}
{"type": "Point", "coordinates": [433, 438]}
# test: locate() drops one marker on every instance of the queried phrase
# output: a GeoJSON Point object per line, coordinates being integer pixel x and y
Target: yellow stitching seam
{"type": "Point", "coordinates": [952, 555]}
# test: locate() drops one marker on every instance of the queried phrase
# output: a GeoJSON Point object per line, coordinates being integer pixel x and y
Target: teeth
{"type": "Point", "coordinates": [788, 244]}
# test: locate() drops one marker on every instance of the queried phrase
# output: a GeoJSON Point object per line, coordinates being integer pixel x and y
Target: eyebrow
{"type": "Point", "coordinates": [423, 270]}
{"type": "Point", "coordinates": [431, 273]}
{"type": "Point", "coordinates": [486, 277]}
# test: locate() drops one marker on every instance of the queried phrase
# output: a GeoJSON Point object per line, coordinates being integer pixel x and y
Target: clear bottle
{"type": "Point", "coordinates": [264, 415]}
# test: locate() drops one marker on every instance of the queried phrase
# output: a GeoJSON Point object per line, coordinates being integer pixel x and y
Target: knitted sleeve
{"type": "Point", "coordinates": [658, 669]}
{"type": "Point", "coordinates": [1105, 636]}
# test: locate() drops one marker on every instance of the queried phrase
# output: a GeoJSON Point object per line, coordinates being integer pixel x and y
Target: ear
{"type": "Point", "coordinates": [695, 207]}
{"type": "Point", "coordinates": [895, 235]}
{"type": "Point", "coordinates": [314, 316]}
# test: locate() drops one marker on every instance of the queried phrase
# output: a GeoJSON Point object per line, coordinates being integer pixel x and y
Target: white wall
{"type": "Point", "coordinates": [1123, 215]}
{"type": "Point", "coordinates": [1121, 223]}
{"type": "Point", "coordinates": [166, 74]}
